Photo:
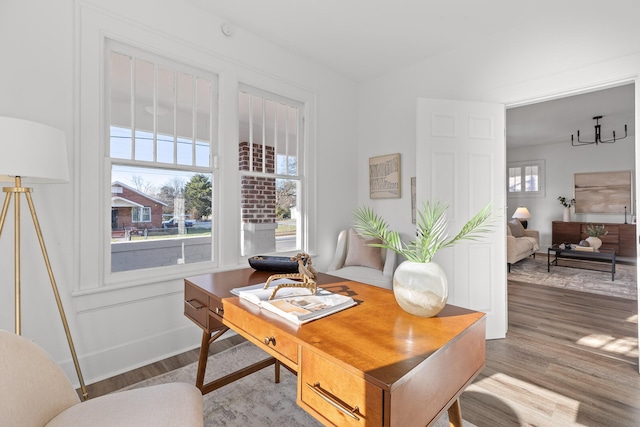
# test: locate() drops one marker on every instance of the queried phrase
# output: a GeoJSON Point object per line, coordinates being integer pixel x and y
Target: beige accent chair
{"type": "Point", "coordinates": [36, 392]}
{"type": "Point", "coordinates": [355, 260]}
{"type": "Point", "coordinates": [521, 243]}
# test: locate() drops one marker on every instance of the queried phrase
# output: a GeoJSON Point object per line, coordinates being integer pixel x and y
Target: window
{"type": "Point", "coordinates": [161, 128]}
{"type": "Point", "coordinates": [271, 174]}
{"type": "Point", "coordinates": [142, 214]}
{"type": "Point", "coordinates": [526, 178]}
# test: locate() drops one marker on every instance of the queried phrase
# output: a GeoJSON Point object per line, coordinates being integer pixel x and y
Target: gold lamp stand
{"type": "Point", "coordinates": [16, 191]}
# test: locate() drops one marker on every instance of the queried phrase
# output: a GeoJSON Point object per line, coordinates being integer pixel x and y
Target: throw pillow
{"type": "Point", "coordinates": [360, 253]}
{"type": "Point", "coordinates": [517, 230]}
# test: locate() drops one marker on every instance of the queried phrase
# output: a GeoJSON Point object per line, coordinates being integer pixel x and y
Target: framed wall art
{"type": "Point", "coordinates": [413, 200]}
{"type": "Point", "coordinates": [603, 192]}
{"type": "Point", "coordinates": [384, 177]}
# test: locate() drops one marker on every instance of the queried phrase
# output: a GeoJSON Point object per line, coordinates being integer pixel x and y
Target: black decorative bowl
{"type": "Point", "coordinates": [278, 264]}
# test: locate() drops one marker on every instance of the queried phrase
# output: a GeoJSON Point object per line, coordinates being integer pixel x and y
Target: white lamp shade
{"type": "Point", "coordinates": [33, 151]}
{"type": "Point", "coordinates": [521, 213]}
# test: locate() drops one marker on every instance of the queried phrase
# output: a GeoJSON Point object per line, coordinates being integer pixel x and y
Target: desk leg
{"type": "Point", "coordinates": [455, 414]}
{"type": "Point", "coordinates": [207, 339]}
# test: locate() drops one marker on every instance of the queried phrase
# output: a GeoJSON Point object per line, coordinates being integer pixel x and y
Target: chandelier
{"type": "Point", "coordinates": [598, 138]}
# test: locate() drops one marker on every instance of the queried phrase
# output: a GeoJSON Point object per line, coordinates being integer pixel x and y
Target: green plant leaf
{"type": "Point", "coordinates": [431, 233]}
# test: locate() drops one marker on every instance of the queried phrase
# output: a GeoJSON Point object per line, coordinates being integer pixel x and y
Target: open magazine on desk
{"type": "Point", "coordinates": [297, 305]}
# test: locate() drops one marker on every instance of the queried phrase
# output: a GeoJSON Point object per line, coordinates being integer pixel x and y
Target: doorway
{"type": "Point", "coordinates": [542, 129]}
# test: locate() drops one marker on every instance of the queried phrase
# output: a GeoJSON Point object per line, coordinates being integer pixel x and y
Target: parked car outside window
{"type": "Point", "coordinates": [173, 222]}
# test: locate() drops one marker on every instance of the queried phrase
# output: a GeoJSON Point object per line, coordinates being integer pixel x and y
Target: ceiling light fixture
{"type": "Point", "coordinates": [597, 139]}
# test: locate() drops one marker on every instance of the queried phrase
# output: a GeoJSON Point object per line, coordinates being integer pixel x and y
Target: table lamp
{"type": "Point", "coordinates": [37, 154]}
{"type": "Point", "coordinates": [523, 215]}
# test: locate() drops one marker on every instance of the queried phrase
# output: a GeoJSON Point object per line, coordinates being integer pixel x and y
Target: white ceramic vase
{"type": "Point", "coordinates": [566, 215]}
{"type": "Point", "coordinates": [420, 288]}
{"type": "Point", "coordinates": [594, 242]}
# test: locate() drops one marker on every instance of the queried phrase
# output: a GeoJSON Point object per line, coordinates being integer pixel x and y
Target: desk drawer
{"type": "Point", "coordinates": [338, 395]}
{"type": "Point", "coordinates": [262, 331]}
{"type": "Point", "coordinates": [195, 305]}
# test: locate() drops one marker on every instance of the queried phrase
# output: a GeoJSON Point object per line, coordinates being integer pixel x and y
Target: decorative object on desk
{"type": "Point", "coordinates": [594, 232]}
{"type": "Point", "coordinates": [566, 215]}
{"type": "Point", "coordinates": [419, 284]}
{"type": "Point", "coordinates": [567, 245]}
{"type": "Point", "coordinates": [584, 243]}
{"type": "Point", "coordinates": [523, 215]}
{"type": "Point", "coordinates": [306, 273]}
{"type": "Point", "coordinates": [37, 153]}
{"type": "Point", "coordinates": [277, 264]}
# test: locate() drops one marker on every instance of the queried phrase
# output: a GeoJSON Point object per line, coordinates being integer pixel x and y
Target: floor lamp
{"type": "Point", "coordinates": [37, 154]}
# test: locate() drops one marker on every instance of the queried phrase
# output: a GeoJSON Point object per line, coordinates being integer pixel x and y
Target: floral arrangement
{"type": "Point", "coordinates": [565, 203]}
{"type": "Point", "coordinates": [596, 230]}
{"type": "Point", "coordinates": [431, 233]}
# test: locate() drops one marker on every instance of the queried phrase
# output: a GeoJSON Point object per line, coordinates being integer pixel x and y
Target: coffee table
{"type": "Point", "coordinates": [560, 252]}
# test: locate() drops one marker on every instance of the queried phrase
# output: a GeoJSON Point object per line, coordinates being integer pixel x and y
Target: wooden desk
{"type": "Point", "coordinates": [372, 364]}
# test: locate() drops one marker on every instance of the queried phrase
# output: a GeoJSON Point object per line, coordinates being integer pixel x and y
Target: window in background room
{"type": "Point", "coordinates": [270, 163]}
{"type": "Point", "coordinates": [161, 127]}
{"type": "Point", "coordinates": [526, 178]}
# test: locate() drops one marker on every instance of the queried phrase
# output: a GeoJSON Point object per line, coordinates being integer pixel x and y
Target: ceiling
{"type": "Point", "coordinates": [555, 121]}
{"type": "Point", "coordinates": [362, 39]}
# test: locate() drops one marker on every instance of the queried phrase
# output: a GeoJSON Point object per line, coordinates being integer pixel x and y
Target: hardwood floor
{"type": "Point", "coordinates": [128, 378]}
{"type": "Point", "coordinates": [570, 358]}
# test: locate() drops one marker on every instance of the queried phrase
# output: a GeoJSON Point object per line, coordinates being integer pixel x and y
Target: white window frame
{"type": "Point", "coordinates": [143, 214]}
{"type": "Point", "coordinates": [157, 60]}
{"type": "Point", "coordinates": [522, 165]}
{"type": "Point", "coordinates": [93, 285]}
{"type": "Point", "coordinates": [300, 177]}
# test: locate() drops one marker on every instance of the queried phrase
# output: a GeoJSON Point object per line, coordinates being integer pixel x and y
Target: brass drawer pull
{"type": "Point", "coordinates": [268, 340]}
{"type": "Point", "coordinates": [333, 401]}
{"type": "Point", "coordinates": [193, 306]}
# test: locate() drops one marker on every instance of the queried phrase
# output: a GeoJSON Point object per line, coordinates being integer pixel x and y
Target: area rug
{"type": "Point", "coordinates": [534, 270]}
{"type": "Point", "coordinates": [255, 400]}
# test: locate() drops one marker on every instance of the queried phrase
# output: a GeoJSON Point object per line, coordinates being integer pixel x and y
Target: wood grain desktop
{"type": "Point", "coordinates": [372, 364]}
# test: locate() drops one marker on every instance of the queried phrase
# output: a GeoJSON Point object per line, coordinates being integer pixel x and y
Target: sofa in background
{"type": "Point", "coordinates": [521, 243]}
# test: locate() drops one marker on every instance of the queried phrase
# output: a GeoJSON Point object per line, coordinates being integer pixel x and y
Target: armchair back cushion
{"type": "Point", "coordinates": [34, 389]}
{"type": "Point", "coordinates": [360, 253]}
{"type": "Point", "coordinates": [36, 392]}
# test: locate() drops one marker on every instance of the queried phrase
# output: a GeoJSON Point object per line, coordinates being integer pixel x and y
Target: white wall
{"type": "Point", "coordinates": [117, 330]}
{"type": "Point", "coordinates": [561, 162]}
{"type": "Point", "coordinates": [531, 62]}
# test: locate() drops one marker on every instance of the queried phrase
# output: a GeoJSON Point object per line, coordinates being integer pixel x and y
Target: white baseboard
{"type": "Point", "coordinates": [135, 354]}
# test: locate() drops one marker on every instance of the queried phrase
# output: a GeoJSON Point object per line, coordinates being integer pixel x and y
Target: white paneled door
{"type": "Point", "coordinates": [460, 160]}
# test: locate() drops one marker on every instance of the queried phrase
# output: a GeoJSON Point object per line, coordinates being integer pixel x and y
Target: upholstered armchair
{"type": "Point", "coordinates": [521, 243]}
{"type": "Point", "coordinates": [34, 391]}
{"type": "Point", "coordinates": [355, 260]}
